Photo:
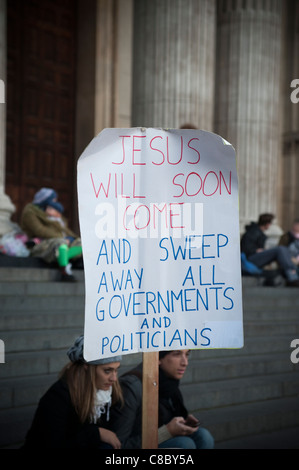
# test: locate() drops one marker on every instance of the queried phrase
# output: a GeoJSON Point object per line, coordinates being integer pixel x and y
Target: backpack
{"type": "Point", "coordinates": [248, 267]}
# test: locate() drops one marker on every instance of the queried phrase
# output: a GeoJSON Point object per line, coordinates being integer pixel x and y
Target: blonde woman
{"type": "Point", "coordinates": [75, 411]}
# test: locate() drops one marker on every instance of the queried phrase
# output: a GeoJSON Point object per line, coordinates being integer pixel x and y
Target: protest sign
{"type": "Point", "coordinates": [159, 222]}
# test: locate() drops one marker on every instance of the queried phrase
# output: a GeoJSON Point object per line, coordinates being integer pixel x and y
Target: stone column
{"type": "Point", "coordinates": [113, 63]}
{"type": "Point", "coordinates": [248, 110]}
{"type": "Point", "coordinates": [290, 90]}
{"type": "Point", "coordinates": [173, 67]}
{"type": "Point", "coordinates": [105, 65]}
{"type": "Point", "coordinates": [6, 206]}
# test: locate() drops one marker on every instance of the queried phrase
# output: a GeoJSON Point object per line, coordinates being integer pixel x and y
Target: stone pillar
{"type": "Point", "coordinates": [113, 63]}
{"type": "Point", "coordinates": [104, 65]}
{"type": "Point", "coordinates": [173, 67]}
{"type": "Point", "coordinates": [248, 110]}
{"type": "Point", "coordinates": [290, 90]}
{"type": "Point", "coordinates": [6, 206]}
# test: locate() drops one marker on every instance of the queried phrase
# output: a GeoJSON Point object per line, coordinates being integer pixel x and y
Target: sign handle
{"type": "Point", "coordinates": [150, 400]}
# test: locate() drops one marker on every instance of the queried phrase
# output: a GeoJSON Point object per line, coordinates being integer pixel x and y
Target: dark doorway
{"type": "Point", "coordinates": [41, 82]}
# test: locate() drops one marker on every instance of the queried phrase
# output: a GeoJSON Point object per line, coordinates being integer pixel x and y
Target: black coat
{"type": "Point", "coordinates": [126, 420]}
{"type": "Point", "coordinates": [57, 425]}
{"type": "Point", "coordinates": [253, 239]}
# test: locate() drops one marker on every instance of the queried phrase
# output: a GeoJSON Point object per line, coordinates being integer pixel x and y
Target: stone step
{"type": "Point", "coordinates": [218, 394]}
{"type": "Point", "coordinates": [262, 292]}
{"type": "Point", "coordinates": [268, 328]}
{"type": "Point", "coordinates": [35, 274]}
{"type": "Point", "coordinates": [267, 425]}
{"type": "Point", "coordinates": [56, 338]}
{"type": "Point", "coordinates": [17, 278]}
{"type": "Point", "coordinates": [22, 319]}
{"type": "Point", "coordinates": [254, 426]}
{"type": "Point", "coordinates": [9, 273]}
{"type": "Point", "coordinates": [40, 320]}
{"type": "Point", "coordinates": [237, 389]}
{"type": "Point", "coordinates": [271, 315]}
{"type": "Point", "coordinates": [26, 391]}
{"type": "Point", "coordinates": [251, 419]}
{"type": "Point", "coordinates": [31, 340]}
{"type": "Point", "coordinates": [22, 296]}
{"type": "Point", "coordinates": [253, 346]}
{"type": "Point", "coordinates": [24, 363]}
{"type": "Point", "coordinates": [24, 302]}
{"type": "Point", "coordinates": [29, 273]}
{"type": "Point", "coordinates": [16, 422]}
{"type": "Point", "coordinates": [210, 370]}
{"type": "Point", "coordinates": [269, 298]}
{"type": "Point", "coordinates": [282, 439]}
{"type": "Point", "coordinates": [265, 311]}
{"type": "Point", "coordinates": [41, 288]}
{"type": "Point", "coordinates": [15, 312]}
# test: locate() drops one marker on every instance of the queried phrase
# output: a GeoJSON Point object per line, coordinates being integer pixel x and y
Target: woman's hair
{"type": "Point", "coordinates": [81, 381]}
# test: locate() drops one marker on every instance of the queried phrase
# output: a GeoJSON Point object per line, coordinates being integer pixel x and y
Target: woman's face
{"type": "Point", "coordinates": [106, 375]}
{"type": "Point", "coordinates": [175, 363]}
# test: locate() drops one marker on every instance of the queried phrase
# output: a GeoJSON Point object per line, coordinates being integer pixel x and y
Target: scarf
{"type": "Point", "coordinates": [103, 398]}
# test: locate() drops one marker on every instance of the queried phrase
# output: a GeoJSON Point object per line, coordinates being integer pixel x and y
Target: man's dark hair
{"type": "Point", "coordinates": [265, 219]}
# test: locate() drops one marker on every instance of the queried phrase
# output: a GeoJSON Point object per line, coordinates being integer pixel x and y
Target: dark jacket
{"type": "Point", "coordinates": [126, 420]}
{"type": "Point", "coordinates": [253, 239]}
{"type": "Point", "coordinates": [291, 242]}
{"type": "Point", "coordinates": [35, 223]}
{"type": "Point", "coordinates": [56, 424]}
{"type": "Point", "coordinates": [286, 239]}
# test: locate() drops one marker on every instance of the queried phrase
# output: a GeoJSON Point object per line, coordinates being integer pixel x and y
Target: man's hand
{"type": "Point", "coordinates": [192, 421]}
{"type": "Point", "coordinates": [178, 427]}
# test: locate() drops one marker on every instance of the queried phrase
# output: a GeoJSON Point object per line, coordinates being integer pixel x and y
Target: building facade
{"type": "Point", "coordinates": [71, 68]}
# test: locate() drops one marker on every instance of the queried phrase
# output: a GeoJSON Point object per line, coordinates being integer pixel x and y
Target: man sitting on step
{"type": "Point", "coordinates": [253, 245]}
{"type": "Point", "coordinates": [177, 428]}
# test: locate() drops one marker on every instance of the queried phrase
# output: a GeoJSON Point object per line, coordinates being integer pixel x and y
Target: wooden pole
{"type": "Point", "coordinates": [150, 400]}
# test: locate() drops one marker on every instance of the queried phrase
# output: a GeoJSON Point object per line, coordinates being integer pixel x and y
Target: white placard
{"type": "Point", "coordinates": [159, 221]}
